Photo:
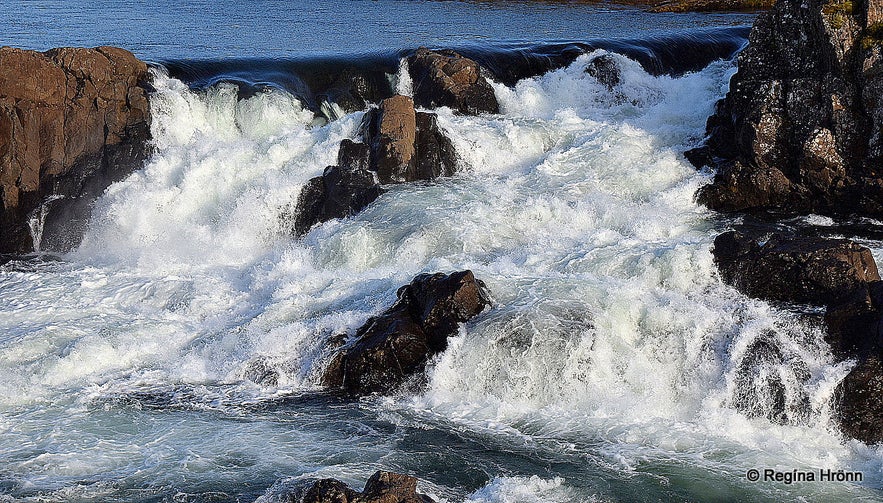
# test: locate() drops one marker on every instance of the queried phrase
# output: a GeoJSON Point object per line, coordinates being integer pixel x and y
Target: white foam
{"type": "Point", "coordinates": [575, 207]}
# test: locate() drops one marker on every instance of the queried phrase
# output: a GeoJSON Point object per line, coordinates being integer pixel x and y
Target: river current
{"type": "Point", "coordinates": [613, 364]}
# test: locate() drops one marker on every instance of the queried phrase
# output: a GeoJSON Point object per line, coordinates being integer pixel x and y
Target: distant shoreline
{"type": "Point", "coordinates": [675, 6]}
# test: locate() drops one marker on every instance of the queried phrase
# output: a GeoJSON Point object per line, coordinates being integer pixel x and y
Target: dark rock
{"type": "Point", "coordinates": [393, 347]}
{"type": "Point", "coordinates": [605, 70]}
{"type": "Point", "coordinates": [797, 269]}
{"type": "Point", "coordinates": [447, 79]}
{"type": "Point", "coordinates": [329, 491]}
{"type": "Point", "coordinates": [72, 121]}
{"type": "Point", "coordinates": [855, 323]}
{"type": "Point", "coordinates": [436, 156]}
{"type": "Point", "coordinates": [354, 155]}
{"type": "Point", "coordinates": [699, 157]}
{"type": "Point", "coordinates": [338, 193]}
{"type": "Point", "coordinates": [799, 129]}
{"type": "Point", "coordinates": [859, 409]}
{"type": "Point", "coordinates": [760, 383]}
{"type": "Point", "coordinates": [382, 487]}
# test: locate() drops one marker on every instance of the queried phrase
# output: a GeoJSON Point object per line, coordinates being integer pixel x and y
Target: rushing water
{"type": "Point", "coordinates": [613, 365]}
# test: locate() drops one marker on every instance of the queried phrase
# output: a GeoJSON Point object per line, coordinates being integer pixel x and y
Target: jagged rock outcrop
{"type": "Point", "coordinates": [406, 145]}
{"type": "Point", "coordinates": [341, 191]}
{"type": "Point", "coordinates": [400, 145]}
{"type": "Point", "coordinates": [800, 130]}
{"type": "Point", "coordinates": [392, 133]}
{"type": "Point", "coordinates": [382, 487]}
{"type": "Point", "coordinates": [448, 79]}
{"type": "Point", "coordinates": [796, 269]}
{"type": "Point", "coordinates": [395, 346]}
{"type": "Point", "coordinates": [72, 121]}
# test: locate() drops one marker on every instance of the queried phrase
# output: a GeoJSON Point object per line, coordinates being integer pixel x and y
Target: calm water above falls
{"type": "Point", "coordinates": [612, 366]}
{"type": "Point", "coordinates": [163, 29]}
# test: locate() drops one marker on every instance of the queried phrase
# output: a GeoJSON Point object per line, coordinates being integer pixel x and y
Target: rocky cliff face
{"type": "Point", "coordinates": [72, 121]}
{"type": "Point", "coordinates": [800, 129]}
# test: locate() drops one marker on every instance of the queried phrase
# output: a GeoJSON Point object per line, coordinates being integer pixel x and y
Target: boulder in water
{"type": "Point", "coordinates": [794, 269]}
{"type": "Point", "coordinates": [448, 79]}
{"type": "Point", "coordinates": [406, 145]}
{"type": "Point", "coordinates": [341, 191]}
{"type": "Point", "coordinates": [391, 131]}
{"type": "Point", "coordinates": [401, 145]}
{"type": "Point", "coordinates": [72, 121]}
{"type": "Point", "coordinates": [396, 345]}
{"type": "Point", "coordinates": [382, 487]}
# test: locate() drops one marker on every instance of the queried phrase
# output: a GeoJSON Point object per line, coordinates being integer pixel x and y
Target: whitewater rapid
{"type": "Point", "coordinates": [611, 342]}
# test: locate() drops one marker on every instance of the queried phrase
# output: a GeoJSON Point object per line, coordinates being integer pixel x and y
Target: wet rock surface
{"type": "Point", "coordinates": [394, 347]}
{"type": "Point", "coordinates": [794, 269]}
{"type": "Point", "coordinates": [835, 273]}
{"type": "Point", "coordinates": [400, 145]}
{"type": "Point", "coordinates": [859, 407]}
{"type": "Point", "coordinates": [382, 487]}
{"type": "Point", "coordinates": [448, 79]}
{"type": "Point", "coordinates": [799, 130]}
{"type": "Point", "coordinates": [72, 121]}
{"type": "Point", "coordinates": [605, 69]}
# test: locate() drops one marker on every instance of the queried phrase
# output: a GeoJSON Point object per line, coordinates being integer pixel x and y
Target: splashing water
{"type": "Point", "coordinates": [613, 365]}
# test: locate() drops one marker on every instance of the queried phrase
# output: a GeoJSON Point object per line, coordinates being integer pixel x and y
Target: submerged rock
{"type": "Point", "coordinates": [797, 269]}
{"type": "Point", "coordinates": [760, 383]}
{"type": "Point", "coordinates": [382, 487]}
{"type": "Point", "coordinates": [799, 130]}
{"type": "Point", "coordinates": [72, 121]}
{"type": "Point", "coordinates": [391, 348]}
{"type": "Point", "coordinates": [401, 145]}
{"type": "Point", "coordinates": [835, 273]}
{"type": "Point", "coordinates": [859, 407]}
{"type": "Point", "coordinates": [447, 79]}
{"type": "Point", "coordinates": [605, 70]}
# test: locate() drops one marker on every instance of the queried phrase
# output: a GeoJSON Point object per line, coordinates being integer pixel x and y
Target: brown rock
{"type": "Point", "coordinates": [407, 146]}
{"type": "Point", "coordinates": [382, 487]}
{"type": "Point", "coordinates": [396, 345]}
{"type": "Point", "coordinates": [62, 114]}
{"type": "Point", "coordinates": [445, 78]}
{"type": "Point", "coordinates": [402, 145]}
{"type": "Point", "coordinates": [392, 139]}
